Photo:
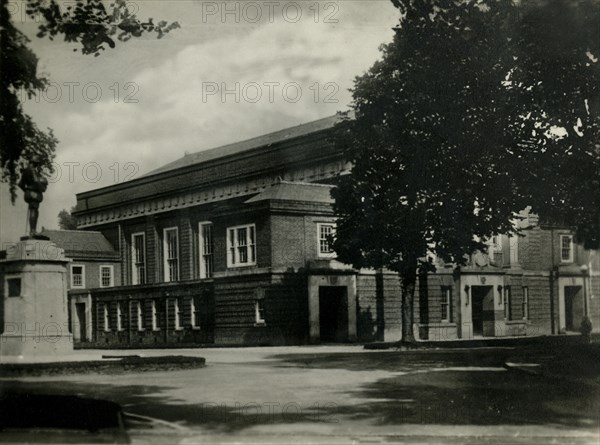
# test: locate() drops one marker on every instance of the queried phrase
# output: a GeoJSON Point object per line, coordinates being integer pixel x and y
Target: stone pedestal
{"type": "Point", "coordinates": [33, 314]}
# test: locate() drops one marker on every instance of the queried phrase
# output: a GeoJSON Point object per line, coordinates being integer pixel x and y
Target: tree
{"type": "Point", "coordinates": [66, 221]}
{"type": "Point", "coordinates": [441, 136]}
{"type": "Point", "coordinates": [91, 27]}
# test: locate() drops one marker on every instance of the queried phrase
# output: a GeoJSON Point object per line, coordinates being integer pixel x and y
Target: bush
{"type": "Point", "coordinates": [586, 328]}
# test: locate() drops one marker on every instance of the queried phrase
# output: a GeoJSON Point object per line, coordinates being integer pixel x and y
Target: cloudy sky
{"type": "Point", "coordinates": [233, 71]}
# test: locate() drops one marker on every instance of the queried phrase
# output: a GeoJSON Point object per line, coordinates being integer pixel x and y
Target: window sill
{"type": "Point", "coordinates": [260, 324]}
{"type": "Point", "coordinates": [240, 266]}
{"type": "Point", "coordinates": [195, 328]}
{"type": "Point", "coordinates": [178, 329]}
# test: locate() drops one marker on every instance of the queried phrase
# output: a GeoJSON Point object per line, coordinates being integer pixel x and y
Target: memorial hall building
{"type": "Point", "coordinates": [231, 246]}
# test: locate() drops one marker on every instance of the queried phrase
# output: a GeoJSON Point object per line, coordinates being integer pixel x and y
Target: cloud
{"type": "Point", "coordinates": [277, 75]}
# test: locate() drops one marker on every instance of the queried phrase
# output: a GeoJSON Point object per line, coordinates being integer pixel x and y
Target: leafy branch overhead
{"type": "Point", "coordinates": [92, 25]}
{"type": "Point", "coordinates": [89, 24]}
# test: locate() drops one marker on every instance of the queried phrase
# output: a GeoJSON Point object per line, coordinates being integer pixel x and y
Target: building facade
{"type": "Point", "coordinates": [94, 264]}
{"type": "Point", "coordinates": [231, 246]}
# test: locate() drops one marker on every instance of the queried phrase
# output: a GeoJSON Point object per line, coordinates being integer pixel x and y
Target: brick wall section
{"type": "Point", "coordinates": [288, 240]}
{"type": "Point", "coordinates": [235, 311]}
{"type": "Point", "coordinates": [185, 246]}
{"type": "Point", "coordinates": [540, 305]}
{"type": "Point", "coordinates": [167, 335]}
{"type": "Point", "coordinates": [369, 319]}
{"type": "Point", "coordinates": [594, 300]}
{"type": "Point", "coordinates": [151, 251]}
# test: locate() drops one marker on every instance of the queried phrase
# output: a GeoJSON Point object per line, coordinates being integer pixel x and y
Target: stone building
{"type": "Point", "coordinates": [232, 246]}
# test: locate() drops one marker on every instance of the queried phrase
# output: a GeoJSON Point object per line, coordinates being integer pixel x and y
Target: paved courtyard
{"type": "Point", "coordinates": [343, 394]}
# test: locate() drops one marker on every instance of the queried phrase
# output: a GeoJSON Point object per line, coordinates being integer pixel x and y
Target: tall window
{"type": "Point", "coordinates": [106, 276]}
{"type": "Point", "coordinates": [495, 249]}
{"type": "Point", "coordinates": [177, 313]}
{"type": "Point", "coordinates": [103, 317]}
{"type": "Point", "coordinates": [566, 248]}
{"type": "Point", "coordinates": [525, 303]}
{"type": "Point", "coordinates": [446, 304]}
{"type": "Point", "coordinates": [171, 254]}
{"type": "Point", "coordinates": [154, 316]}
{"type": "Point", "coordinates": [138, 258]}
{"type": "Point", "coordinates": [194, 313]}
{"type": "Point", "coordinates": [514, 249]}
{"type": "Point", "coordinates": [241, 244]}
{"type": "Point", "coordinates": [119, 317]}
{"type": "Point", "coordinates": [259, 312]}
{"type": "Point", "coordinates": [206, 249]}
{"type": "Point", "coordinates": [77, 276]}
{"type": "Point", "coordinates": [326, 231]}
{"type": "Point", "coordinates": [138, 314]}
{"type": "Point", "coordinates": [507, 303]}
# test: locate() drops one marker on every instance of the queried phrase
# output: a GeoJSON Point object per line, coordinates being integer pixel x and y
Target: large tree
{"type": "Point", "coordinates": [442, 143]}
{"type": "Point", "coordinates": [91, 26]}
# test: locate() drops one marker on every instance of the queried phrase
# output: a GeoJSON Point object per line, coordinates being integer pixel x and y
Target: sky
{"type": "Point", "coordinates": [233, 71]}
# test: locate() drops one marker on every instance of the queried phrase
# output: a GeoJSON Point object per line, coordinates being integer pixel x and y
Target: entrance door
{"type": "Point", "coordinates": [81, 321]}
{"type": "Point", "coordinates": [333, 313]}
{"type": "Point", "coordinates": [574, 310]}
{"type": "Point", "coordinates": [482, 310]}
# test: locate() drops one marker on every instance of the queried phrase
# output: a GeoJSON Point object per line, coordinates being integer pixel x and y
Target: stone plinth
{"type": "Point", "coordinates": [33, 314]}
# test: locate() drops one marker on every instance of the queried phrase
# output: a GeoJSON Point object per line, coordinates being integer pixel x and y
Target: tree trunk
{"type": "Point", "coordinates": [408, 279]}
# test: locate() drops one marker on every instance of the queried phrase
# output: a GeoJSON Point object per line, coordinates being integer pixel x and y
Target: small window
{"type": "Point", "coordinates": [259, 312]}
{"type": "Point", "coordinates": [106, 276]}
{"type": "Point", "coordinates": [13, 287]}
{"type": "Point", "coordinates": [446, 304]}
{"type": "Point", "coordinates": [206, 250]}
{"type": "Point", "coordinates": [171, 254]}
{"type": "Point", "coordinates": [138, 258]}
{"type": "Point", "coordinates": [566, 248]}
{"type": "Point", "coordinates": [507, 303]}
{"type": "Point", "coordinates": [326, 232]}
{"type": "Point", "coordinates": [241, 246]}
{"type": "Point", "coordinates": [525, 303]}
{"type": "Point", "coordinates": [77, 276]}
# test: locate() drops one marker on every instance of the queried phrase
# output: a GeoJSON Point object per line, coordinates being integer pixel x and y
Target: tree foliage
{"type": "Point", "coordinates": [442, 140]}
{"type": "Point", "coordinates": [88, 24]}
{"type": "Point", "coordinates": [66, 221]}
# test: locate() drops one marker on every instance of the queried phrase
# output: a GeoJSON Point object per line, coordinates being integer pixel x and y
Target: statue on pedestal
{"type": "Point", "coordinates": [34, 184]}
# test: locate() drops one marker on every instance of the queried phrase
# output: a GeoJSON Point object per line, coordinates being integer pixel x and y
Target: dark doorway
{"type": "Point", "coordinates": [333, 313]}
{"type": "Point", "coordinates": [482, 310]}
{"type": "Point", "coordinates": [81, 321]}
{"type": "Point", "coordinates": [574, 310]}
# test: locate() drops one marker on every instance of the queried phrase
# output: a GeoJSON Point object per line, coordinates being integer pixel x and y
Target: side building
{"type": "Point", "coordinates": [231, 246]}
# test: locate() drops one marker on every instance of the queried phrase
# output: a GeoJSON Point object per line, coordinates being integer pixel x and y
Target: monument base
{"type": "Point", "coordinates": [34, 295]}
{"type": "Point", "coordinates": [34, 348]}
